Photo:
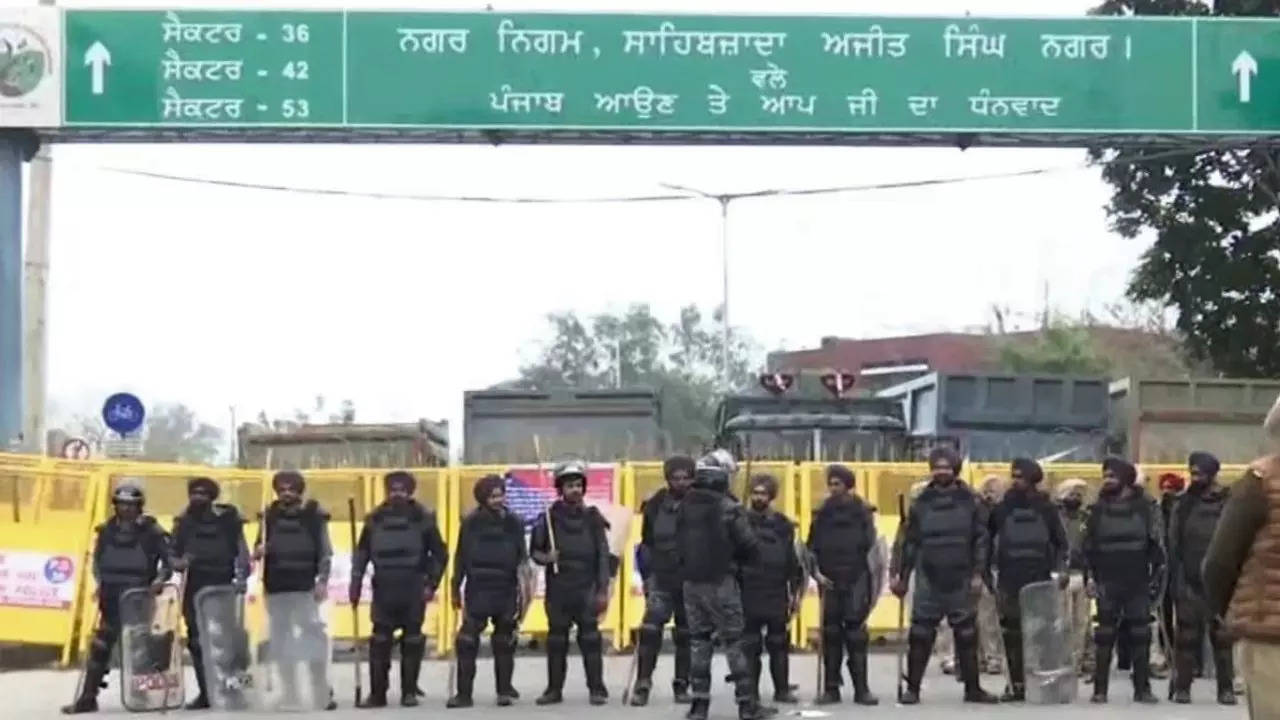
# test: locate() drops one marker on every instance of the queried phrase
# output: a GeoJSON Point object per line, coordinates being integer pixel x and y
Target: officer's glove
{"type": "Point", "coordinates": [823, 580]}
{"type": "Point", "coordinates": [1153, 590]}
{"type": "Point", "coordinates": [602, 603]}
{"type": "Point", "coordinates": [457, 599]}
{"type": "Point", "coordinates": [1075, 582]}
{"type": "Point", "coordinates": [428, 593]}
{"type": "Point", "coordinates": [240, 586]}
{"type": "Point", "coordinates": [1062, 580]}
{"type": "Point", "coordinates": [646, 585]}
{"type": "Point", "coordinates": [157, 587]}
{"type": "Point", "coordinates": [899, 587]}
{"type": "Point", "coordinates": [353, 591]}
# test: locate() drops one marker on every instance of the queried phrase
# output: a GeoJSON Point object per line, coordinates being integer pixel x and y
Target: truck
{"type": "Point", "coordinates": [808, 422]}
{"type": "Point", "coordinates": [997, 417]}
{"type": "Point", "coordinates": [398, 445]}
{"type": "Point", "coordinates": [528, 426]}
{"type": "Point", "coordinates": [1165, 420]}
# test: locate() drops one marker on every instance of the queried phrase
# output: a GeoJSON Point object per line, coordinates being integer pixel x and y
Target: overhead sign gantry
{"type": "Point", "coordinates": [430, 75]}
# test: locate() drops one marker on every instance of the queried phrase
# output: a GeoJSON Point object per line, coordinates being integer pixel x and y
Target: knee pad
{"type": "Point", "coordinates": [502, 641]}
{"type": "Point", "coordinates": [777, 642]}
{"type": "Point", "coordinates": [415, 642]}
{"type": "Point", "coordinates": [590, 641]}
{"type": "Point", "coordinates": [922, 634]}
{"type": "Point", "coordinates": [700, 637]}
{"type": "Point", "coordinates": [468, 643]}
{"type": "Point", "coordinates": [651, 635]}
{"type": "Point", "coordinates": [832, 633]}
{"type": "Point", "coordinates": [752, 644]}
{"type": "Point", "coordinates": [682, 637]}
{"type": "Point", "coordinates": [382, 638]}
{"type": "Point", "coordinates": [854, 637]}
{"type": "Point", "coordinates": [1011, 624]}
{"type": "Point", "coordinates": [100, 648]}
{"type": "Point", "coordinates": [966, 631]}
{"type": "Point", "coordinates": [1139, 633]}
{"type": "Point", "coordinates": [557, 639]}
{"type": "Point", "coordinates": [1220, 637]}
{"type": "Point", "coordinates": [1104, 634]}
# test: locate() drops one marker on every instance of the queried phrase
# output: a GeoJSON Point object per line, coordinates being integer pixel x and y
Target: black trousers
{"type": "Point", "coordinates": [567, 608]}
{"type": "Point", "coordinates": [1131, 605]}
{"type": "Point", "coordinates": [484, 606]}
{"type": "Point", "coordinates": [664, 602]}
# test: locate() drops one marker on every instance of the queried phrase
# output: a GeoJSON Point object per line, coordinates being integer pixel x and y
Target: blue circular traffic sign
{"type": "Point", "coordinates": [123, 413]}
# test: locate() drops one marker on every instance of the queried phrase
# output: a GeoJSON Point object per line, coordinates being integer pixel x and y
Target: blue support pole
{"type": "Point", "coordinates": [12, 154]}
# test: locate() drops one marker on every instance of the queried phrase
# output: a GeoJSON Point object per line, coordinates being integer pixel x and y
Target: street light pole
{"type": "Point", "coordinates": [724, 201]}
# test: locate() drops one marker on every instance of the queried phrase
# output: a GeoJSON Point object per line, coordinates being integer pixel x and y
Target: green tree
{"type": "Point", "coordinates": [1061, 348]}
{"type": "Point", "coordinates": [175, 434]}
{"type": "Point", "coordinates": [1213, 214]}
{"type": "Point", "coordinates": [681, 360]}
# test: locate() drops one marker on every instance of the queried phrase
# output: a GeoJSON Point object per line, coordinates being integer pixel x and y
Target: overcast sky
{"type": "Point", "coordinates": [220, 297]}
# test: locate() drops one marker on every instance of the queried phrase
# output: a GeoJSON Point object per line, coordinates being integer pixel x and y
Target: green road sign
{"type": "Point", "coordinates": [337, 69]}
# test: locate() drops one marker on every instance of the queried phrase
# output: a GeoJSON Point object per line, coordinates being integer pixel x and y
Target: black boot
{"type": "Point", "coordinates": [967, 647]}
{"type": "Point", "coordinates": [680, 692]}
{"type": "Point", "coordinates": [87, 701]}
{"type": "Point", "coordinates": [411, 650]}
{"type": "Point", "coordinates": [1016, 690]}
{"type": "Point", "coordinates": [780, 673]}
{"type": "Point", "coordinates": [591, 645]}
{"type": "Point", "coordinates": [379, 670]}
{"type": "Point", "coordinates": [647, 648]}
{"type": "Point", "coordinates": [1140, 651]}
{"type": "Point", "coordinates": [753, 710]}
{"type": "Point", "coordinates": [683, 664]}
{"type": "Point", "coordinates": [467, 649]}
{"type": "Point", "coordinates": [557, 666]}
{"type": "Point", "coordinates": [201, 701]}
{"type": "Point", "coordinates": [1224, 673]}
{"type": "Point", "coordinates": [858, 673]}
{"type": "Point", "coordinates": [504, 667]}
{"type": "Point", "coordinates": [1183, 673]}
{"type": "Point", "coordinates": [1101, 674]}
{"type": "Point", "coordinates": [698, 709]}
{"type": "Point", "coordinates": [832, 657]}
{"type": "Point", "coordinates": [918, 651]}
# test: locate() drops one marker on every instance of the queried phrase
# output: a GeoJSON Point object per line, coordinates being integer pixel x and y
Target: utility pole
{"type": "Point", "coordinates": [35, 330]}
{"type": "Point", "coordinates": [724, 201]}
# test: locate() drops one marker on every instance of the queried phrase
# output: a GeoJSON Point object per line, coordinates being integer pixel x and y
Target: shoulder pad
{"type": "Point", "coordinates": [230, 511]}
{"type": "Point", "coordinates": [147, 521]}
{"type": "Point", "coordinates": [594, 513]}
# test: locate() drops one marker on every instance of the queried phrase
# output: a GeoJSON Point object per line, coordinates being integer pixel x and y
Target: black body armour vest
{"type": "Point", "coordinates": [293, 548]}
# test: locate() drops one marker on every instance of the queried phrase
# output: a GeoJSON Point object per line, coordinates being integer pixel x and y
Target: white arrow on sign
{"type": "Point", "coordinates": [1244, 67]}
{"type": "Point", "coordinates": [97, 58]}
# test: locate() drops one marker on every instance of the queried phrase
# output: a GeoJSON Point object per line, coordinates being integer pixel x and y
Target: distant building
{"type": "Point", "coordinates": [883, 362]}
{"type": "Point", "coordinates": [402, 445]}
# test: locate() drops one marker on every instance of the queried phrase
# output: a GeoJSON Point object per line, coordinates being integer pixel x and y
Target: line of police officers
{"type": "Point", "coordinates": [725, 572]}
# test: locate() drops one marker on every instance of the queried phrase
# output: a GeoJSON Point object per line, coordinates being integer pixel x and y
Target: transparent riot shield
{"type": "Point", "coordinates": [292, 668]}
{"type": "Point", "coordinates": [150, 650]}
{"type": "Point", "coordinates": [225, 644]}
{"type": "Point", "coordinates": [1046, 644]}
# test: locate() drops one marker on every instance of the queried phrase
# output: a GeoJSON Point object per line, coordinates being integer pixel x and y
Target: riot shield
{"type": "Point", "coordinates": [1046, 645]}
{"type": "Point", "coordinates": [150, 650]}
{"type": "Point", "coordinates": [292, 668]}
{"type": "Point", "coordinates": [878, 568]}
{"type": "Point", "coordinates": [225, 644]}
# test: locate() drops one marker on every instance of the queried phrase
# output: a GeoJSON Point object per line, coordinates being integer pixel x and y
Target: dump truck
{"type": "Point", "coordinates": [519, 426]}
{"type": "Point", "coordinates": [997, 417]}
{"type": "Point", "coordinates": [399, 445]}
{"type": "Point", "coordinates": [1163, 421]}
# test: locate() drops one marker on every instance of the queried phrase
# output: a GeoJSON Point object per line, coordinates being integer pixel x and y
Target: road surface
{"type": "Point", "coordinates": [37, 694]}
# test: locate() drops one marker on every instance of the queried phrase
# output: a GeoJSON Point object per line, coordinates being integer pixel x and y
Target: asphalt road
{"type": "Point", "coordinates": [38, 694]}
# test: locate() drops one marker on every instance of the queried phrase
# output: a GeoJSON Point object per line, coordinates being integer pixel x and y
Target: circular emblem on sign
{"type": "Point", "coordinates": [59, 569]}
{"type": "Point", "coordinates": [77, 449]}
{"type": "Point", "coordinates": [123, 413]}
{"type": "Point", "coordinates": [25, 60]}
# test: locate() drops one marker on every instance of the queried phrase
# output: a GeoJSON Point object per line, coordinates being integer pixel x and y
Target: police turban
{"type": "Point", "coordinates": [945, 454]}
{"type": "Point", "coordinates": [1205, 462]}
{"type": "Point", "coordinates": [485, 487]}
{"type": "Point", "coordinates": [291, 478]}
{"type": "Point", "coordinates": [841, 473]}
{"type": "Point", "coordinates": [1029, 469]}
{"type": "Point", "coordinates": [676, 463]}
{"type": "Point", "coordinates": [400, 478]}
{"type": "Point", "coordinates": [1125, 472]}
{"type": "Point", "coordinates": [206, 485]}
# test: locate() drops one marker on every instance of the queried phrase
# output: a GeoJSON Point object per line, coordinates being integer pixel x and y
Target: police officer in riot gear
{"type": "Point", "coordinates": [658, 558]}
{"type": "Point", "coordinates": [1028, 545]}
{"type": "Point", "coordinates": [714, 536]}
{"type": "Point", "coordinates": [575, 553]}
{"type": "Point", "coordinates": [209, 545]}
{"type": "Point", "coordinates": [1125, 564]}
{"type": "Point", "coordinates": [131, 551]}
{"type": "Point", "coordinates": [1192, 522]}
{"type": "Point", "coordinates": [296, 559]}
{"type": "Point", "coordinates": [841, 536]}
{"type": "Point", "coordinates": [402, 539]}
{"type": "Point", "coordinates": [945, 543]}
{"type": "Point", "coordinates": [491, 550]}
{"type": "Point", "coordinates": [771, 589]}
